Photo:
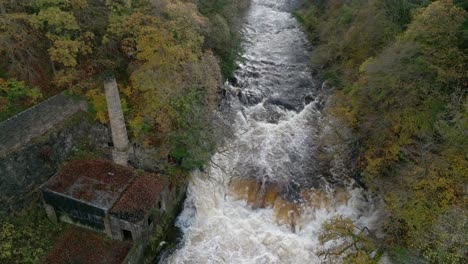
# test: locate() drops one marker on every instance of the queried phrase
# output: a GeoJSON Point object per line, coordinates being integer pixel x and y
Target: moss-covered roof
{"type": "Point", "coordinates": [139, 198]}
{"type": "Point", "coordinates": [96, 182]}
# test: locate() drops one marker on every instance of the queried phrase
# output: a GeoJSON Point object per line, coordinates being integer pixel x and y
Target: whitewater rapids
{"type": "Point", "coordinates": [277, 140]}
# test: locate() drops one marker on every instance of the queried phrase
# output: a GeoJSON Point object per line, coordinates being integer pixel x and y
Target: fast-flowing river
{"type": "Point", "coordinates": [267, 192]}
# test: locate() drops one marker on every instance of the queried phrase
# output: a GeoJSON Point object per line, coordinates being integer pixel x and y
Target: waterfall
{"type": "Point", "coordinates": [267, 191]}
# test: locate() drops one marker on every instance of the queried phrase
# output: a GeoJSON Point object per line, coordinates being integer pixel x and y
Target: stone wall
{"type": "Point", "coordinates": [161, 237]}
{"type": "Point", "coordinates": [25, 168]}
{"type": "Point", "coordinates": [20, 129]}
{"type": "Point", "coordinates": [35, 142]}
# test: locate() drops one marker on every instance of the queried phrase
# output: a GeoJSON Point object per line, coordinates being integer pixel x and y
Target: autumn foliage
{"type": "Point", "coordinates": [400, 69]}
{"type": "Point", "coordinates": [165, 54]}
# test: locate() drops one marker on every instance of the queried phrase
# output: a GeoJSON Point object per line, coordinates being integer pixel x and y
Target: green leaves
{"type": "Point", "coordinates": [16, 96]}
{"type": "Point", "coordinates": [7, 235]}
{"type": "Point", "coordinates": [221, 36]}
{"type": "Point", "coordinates": [62, 29]}
{"type": "Point", "coordinates": [193, 142]}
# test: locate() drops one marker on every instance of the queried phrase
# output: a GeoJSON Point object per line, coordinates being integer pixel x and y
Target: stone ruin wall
{"type": "Point", "coordinates": [35, 142]}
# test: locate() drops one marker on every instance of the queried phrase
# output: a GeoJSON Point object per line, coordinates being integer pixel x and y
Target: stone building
{"type": "Point", "coordinates": [136, 212]}
{"type": "Point", "coordinates": [106, 197]}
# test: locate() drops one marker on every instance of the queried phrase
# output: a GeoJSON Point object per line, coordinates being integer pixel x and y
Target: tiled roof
{"type": "Point", "coordinates": [96, 182]}
{"type": "Point", "coordinates": [139, 198]}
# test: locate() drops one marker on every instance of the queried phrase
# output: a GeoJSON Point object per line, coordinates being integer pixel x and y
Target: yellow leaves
{"type": "Point", "coordinates": [158, 48]}
{"type": "Point", "coordinates": [65, 52]}
{"type": "Point", "coordinates": [344, 113]}
{"type": "Point", "coordinates": [350, 244]}
{"type": "Point", "coordinates": [136, 125]}
{"type": "Point", "coordinates": [342, 107]}
{"type": "Point", "coordinates": [165, 50]}
{"type": "Point", "coordinates": [425, 193]}
{"type": "Point", "coordinates": [380, 156]}
{"type": "Point", "coordinates": [183, 13]}
{"type": "Point", "coordinates": [437, 25]}
{"type": "Point", "coordinates": [66, 78]}
{"type": "Point", "coordinates": [406, 109]}
{"type": "Point", "coordinates": [458, 165]}
{"type": "Point", "coordinates": [184, 24]}
{"type": "Point", "coordinates": [99, 104]}
{"type": "Point", "coordinates": [65, 4]}
{"type": "Point", "coordinates": [56, 21]}
{"type": "Point", "coordinates": [63, 31]}
{"type": "Point", "coordinates": [373, 164]}
{"type": "Point", "coordinates": [7, 237]}
{"type": "Point", "coordinates": [335, 228]}
{"type": "Point", "coordinates": [439, 189]}
{"type": "Point", "coordinates": [127, 90]}
{"type": "Point", "coordinates": [79, 4]}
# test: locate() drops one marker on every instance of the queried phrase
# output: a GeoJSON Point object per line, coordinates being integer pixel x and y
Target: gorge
{"type": "Point", "coordinates": [268, 190]}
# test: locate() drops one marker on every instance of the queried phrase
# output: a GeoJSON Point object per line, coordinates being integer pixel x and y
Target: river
{"type": "Point", "coordinates": [268, 190]}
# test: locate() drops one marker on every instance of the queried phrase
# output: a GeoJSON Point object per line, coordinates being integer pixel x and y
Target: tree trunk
{"type": "Point", "coordinates": [117, 122]}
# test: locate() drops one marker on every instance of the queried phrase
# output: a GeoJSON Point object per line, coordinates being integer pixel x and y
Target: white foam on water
{"type": "Point", "coordinates": [270, 142]}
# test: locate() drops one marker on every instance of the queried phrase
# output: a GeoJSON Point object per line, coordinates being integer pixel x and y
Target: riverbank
{"type": "Point", "coordinates": [272, 185]}
{"type": "Point", "coordinates": [399, 75]}
{"type": "Point", "coordinates": [167, 96]}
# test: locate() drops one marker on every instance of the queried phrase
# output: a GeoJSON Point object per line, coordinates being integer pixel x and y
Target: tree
{"type": "Point", "coordinates": [342, 240]}
{"type": "Point", "coordinates": [404, 94]}
{"type": "Point", "coordinates": [21, 52]}
{"type": "Point", "coordinates": [16, 96]}
{"type": "Point", "coordinates": [58, 22]}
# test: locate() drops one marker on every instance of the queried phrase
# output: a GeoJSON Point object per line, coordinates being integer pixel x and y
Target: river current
{"type": "Point", "coordinates": [268, 190]}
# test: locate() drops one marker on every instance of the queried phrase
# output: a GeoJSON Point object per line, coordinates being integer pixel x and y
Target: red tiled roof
{"type": "Point", "coordinates": [84, 246]}
{"type": "Point", "coordinates": [97, 182]}
{"type": "Point", "coordinates": [139, 198]}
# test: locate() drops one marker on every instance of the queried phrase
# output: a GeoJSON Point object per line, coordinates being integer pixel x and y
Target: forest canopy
{"type": "Point", "coordinates": [169, 58]}
{"type": "Point", "coordinates": [400, 68]}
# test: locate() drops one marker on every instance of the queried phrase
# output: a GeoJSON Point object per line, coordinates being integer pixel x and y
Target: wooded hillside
{"type": "Point", "coordinates": [169, 57]}
{"type": "Point", "coordinates": [401, 70]}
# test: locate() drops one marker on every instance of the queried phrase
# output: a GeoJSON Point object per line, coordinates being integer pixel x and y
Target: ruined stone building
{"type": "Point", "coordinates": [107, 197]}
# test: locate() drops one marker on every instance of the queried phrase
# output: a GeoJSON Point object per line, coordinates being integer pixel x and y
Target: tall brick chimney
{"type": "Point", "coordinates": [117, 122]}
